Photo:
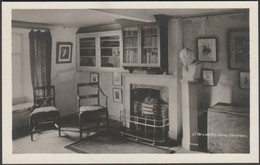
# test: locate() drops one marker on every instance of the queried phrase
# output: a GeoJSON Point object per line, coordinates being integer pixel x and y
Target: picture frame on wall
{"type": "Point", "coordinates": [117, 95]}
{"type": "Point", "coordinates": [94, 77]}
{"type": "Point", "coordinates": [63, 52]}
{"type": "Point", "coordinates": [208, 77]}
{"type": "Point", "coordinates": [117, 78]}
{"type": "Point", "coordinates": [207, 49]}
{"type": "Point", "coordinates": [238, 49]}
{"type": "Point", "coordinates": [244, 80]}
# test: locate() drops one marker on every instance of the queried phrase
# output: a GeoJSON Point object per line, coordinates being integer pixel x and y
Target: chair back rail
{"type": "Point", "coordinates": [88, 96]}
{"type": "Point", "coordinates": [44, 96]}
{"type": "Point", "coordinates": [96, 95]}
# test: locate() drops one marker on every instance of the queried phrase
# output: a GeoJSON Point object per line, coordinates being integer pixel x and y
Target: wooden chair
{"type": "Point", "coordinates": [91, 109]}
{"type": "Point", "coordinates": [44, 109]}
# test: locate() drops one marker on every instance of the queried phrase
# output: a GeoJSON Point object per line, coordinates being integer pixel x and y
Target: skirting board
{"type": "Point", "coordinates": [190, 146]}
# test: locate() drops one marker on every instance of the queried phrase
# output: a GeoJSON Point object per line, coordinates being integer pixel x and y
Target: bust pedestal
{"type": "Point", "coordinates": [191, 104]}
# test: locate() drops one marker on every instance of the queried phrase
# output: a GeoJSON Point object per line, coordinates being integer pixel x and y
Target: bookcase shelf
{"type": "Point", "coordinates": [87, 48]}
{"type": "Point", "coordinates": [110, 47]}
{"type": "Point", "coordinates": [99, 49]}
{"type": "Point", "coordinates": [130, 36]}
{"type": "Point", "coordinates": [87, 56]}
{"type": "Point", "coordinates": [130, 47]}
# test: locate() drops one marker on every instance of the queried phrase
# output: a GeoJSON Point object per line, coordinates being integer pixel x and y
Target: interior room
{"type": "Point", "coordinates": [150, 98]}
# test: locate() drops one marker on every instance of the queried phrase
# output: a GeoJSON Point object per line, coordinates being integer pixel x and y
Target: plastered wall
{"type": "Point", "coordinates": [63, 75]}
{"type": "Point", "coordinates": [182, 33]}
{"type": "Point", "coordinates": [226, 87]}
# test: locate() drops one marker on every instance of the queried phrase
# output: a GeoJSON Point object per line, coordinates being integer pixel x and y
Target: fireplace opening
{"type": "Point", "coordinates": [148, 119]}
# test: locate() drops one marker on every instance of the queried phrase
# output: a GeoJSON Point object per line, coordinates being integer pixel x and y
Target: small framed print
{"type": "Point", "coordinates": [94, 77]}
{"type": "Point", "coordinates": [244, 80]}
{"type": "Point", "coordinates": [238, 49]}
{"type": "Point", "coordinates": [207, 49]}
{"type": "Point", "coordinates": [117, 95]}
{"type": "Point", "coordinates": [208, 77]}
{"type": "Point", "coordinates": [64, 52]}
{"type": "Point", "coordinates": [117, 78]}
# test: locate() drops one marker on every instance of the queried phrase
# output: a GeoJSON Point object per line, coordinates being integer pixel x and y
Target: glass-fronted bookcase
{"type": "Point", "coordinates": [99, 50]}
{"type": "Point", "coordinates": [142, 46]}
{"type": "Point", "coordinates": [87, 51]}
{"type": "Point", "coordinates": [131, 46]}
{"type": "Point", "coordinates": [150, 48]}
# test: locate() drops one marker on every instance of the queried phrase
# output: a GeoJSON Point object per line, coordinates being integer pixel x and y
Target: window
{"type": "Point", "coordinates": [21, 74]}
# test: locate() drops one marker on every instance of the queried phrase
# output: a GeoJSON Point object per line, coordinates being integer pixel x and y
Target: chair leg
{"type": "Point", "coordinates": [59, 123]}
{"type": "Point", "coordinates": [30, 128]}
{"type": "Point", "coordinates": [107, 124]}
{"type": "Point", "coordinates": [97, 120]}
{"type": "Point", "coordinates": [80, 127]}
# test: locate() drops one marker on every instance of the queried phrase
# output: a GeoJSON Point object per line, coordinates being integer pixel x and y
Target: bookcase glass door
{"type": "Point", "coordinates": [130, 45]}
{"type": "Point", "coordinates": [149, 54]}
{"type": "Point", "coordinates": [110, 51]}
{"type": "Point", "coordinates": [87, 52]}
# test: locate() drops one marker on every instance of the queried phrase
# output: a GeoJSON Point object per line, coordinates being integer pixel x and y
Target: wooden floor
{"type": "Point", "coordinates": [49, 141]}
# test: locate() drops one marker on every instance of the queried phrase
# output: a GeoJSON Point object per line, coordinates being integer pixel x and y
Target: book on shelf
{"type": "Point", "coordinates": [150, 41]}
{"type": "Point", "coordinates": [87, 52]}
{"type": "Point", "coordinates": [130, 56]}
{"type": "Point", "coordinates": [150, 56]}
{"type": "Point", "coordinates": [87, 44]}
{"type": "Point", "coordinates": [106, 52]}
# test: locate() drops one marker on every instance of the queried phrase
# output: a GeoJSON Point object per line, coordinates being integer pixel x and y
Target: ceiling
{"type": "Point", "coordinates": [76, 18]}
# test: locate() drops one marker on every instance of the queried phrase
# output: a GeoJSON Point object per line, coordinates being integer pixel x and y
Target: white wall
{"type": "Point", "coordinates": [227, 81]}
{"type": "Point", "coordinates": [185, 33]}
{"type": "Point", "coordinates": [63, 75]}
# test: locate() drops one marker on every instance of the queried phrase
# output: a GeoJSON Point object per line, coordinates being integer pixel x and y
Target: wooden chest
{"type": "Point", "coordinates": [228, 129]}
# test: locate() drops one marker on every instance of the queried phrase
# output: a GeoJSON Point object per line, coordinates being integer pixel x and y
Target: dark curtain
{"type": "Point", "coordinates": [40, 58]}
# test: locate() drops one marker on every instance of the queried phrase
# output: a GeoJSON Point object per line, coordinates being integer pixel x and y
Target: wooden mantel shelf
{"type": "Point", "coordinates": [151, 75]}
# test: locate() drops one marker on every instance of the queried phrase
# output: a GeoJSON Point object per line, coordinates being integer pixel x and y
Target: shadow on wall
{"type": "Point", "coordinates": [65, 88]}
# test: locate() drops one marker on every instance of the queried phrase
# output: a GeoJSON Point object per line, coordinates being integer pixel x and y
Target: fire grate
{"type": "Point", "coordinates": [143, 128]}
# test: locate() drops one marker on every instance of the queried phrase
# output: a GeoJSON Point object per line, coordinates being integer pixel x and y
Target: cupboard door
{"type": "Point", "coordinates": [87, 51]}
{"type": "Point", "coordinates": [110, 51]}
{"type": "Point", "coordinates": [131, 46]}
{"type": "Point", "coordinates": [150, 46]}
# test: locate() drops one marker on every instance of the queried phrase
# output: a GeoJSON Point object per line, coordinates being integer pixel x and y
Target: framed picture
{"type": "Point", "coordinates": [64, 52]}
{"type": "Point", "coordinates": [117, 78]}
{"type": "Point", "coordinates": [244, 80]}
{"type": "Point", "coordinates": [117, 95]}
{"type": "Point", "coordinates": [238, 49]}
{"type": "Point", "coordinates": [207, 49]}
{"type": "Point", "coordinates": [208, 77]}
{"type": "Point", "coordinates": [94, 77]}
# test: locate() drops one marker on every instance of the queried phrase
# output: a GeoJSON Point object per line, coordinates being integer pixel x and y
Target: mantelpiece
{"type": "Point", "coordinates": [169, 81]}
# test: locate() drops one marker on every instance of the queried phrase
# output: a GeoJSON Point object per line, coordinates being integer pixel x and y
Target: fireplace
{"type": "Point", "coordinates": [151, 107]}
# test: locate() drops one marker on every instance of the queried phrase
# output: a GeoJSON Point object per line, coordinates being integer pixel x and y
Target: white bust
{"type": "Point", "coordinates": [191, 67]}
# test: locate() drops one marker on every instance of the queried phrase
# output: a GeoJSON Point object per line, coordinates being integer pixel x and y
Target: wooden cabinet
{"type": "Point", "coordinates": [99, 50]}
{"type": "Point", "coordinates": [145, 45]}
{"type": "Point", "coordinates": [228, 128]}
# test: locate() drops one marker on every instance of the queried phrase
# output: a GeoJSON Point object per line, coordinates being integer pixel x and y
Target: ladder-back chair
{"type": "Point", "coordinates": [44, 109]}
{"type": "Point", "coordinates": [86, 109]}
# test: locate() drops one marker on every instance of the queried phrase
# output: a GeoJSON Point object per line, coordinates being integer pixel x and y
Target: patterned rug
{"type": "Point", "coordinates": [113, 143]}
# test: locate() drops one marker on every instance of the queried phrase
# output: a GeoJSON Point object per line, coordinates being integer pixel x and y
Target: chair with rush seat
{"type": "Point", "coordinates": [87, 108]}
{"type": "Point", "coordinates": [44, 109]}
